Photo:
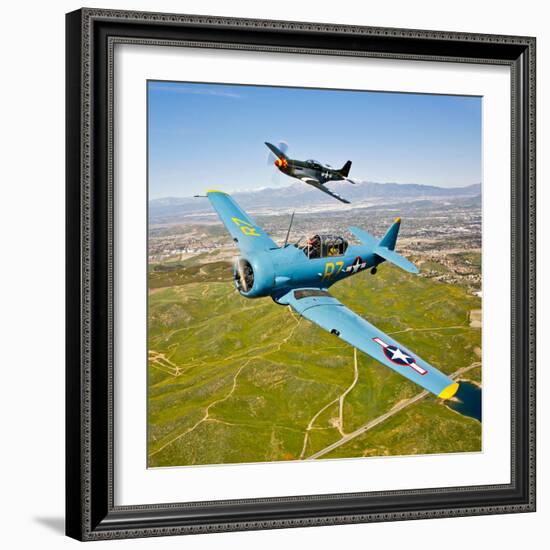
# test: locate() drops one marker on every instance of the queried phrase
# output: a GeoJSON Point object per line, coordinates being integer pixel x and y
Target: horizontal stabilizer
{"type": "Point", "coordinates": [364, 236]}
{"type": "Point", "coordinates": [384, 248]}
{"type": "Point", "coordinates": [395, 258]}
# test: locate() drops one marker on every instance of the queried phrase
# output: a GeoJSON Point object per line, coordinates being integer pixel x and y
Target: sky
{"type": "Point", "coordinates": [204, 136]}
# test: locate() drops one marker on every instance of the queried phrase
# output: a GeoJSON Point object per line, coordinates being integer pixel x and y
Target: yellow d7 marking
{"type": "Point", "coordinates": [329, 269]}
{"type": "Point", "coordinates": [245, 227]}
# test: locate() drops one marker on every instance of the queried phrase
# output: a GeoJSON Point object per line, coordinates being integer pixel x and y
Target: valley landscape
{"type": "Point", "coordinates": [237, 380]}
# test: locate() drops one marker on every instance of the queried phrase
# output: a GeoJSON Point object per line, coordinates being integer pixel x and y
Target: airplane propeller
{"type": "Point", "coordinates": [244, 273]}
{"type": "Point", "coordinates": [283, 147]}
{"type": "Point", "coordinates": [271, 159]}
{"type": "Point", "coordinates": [240, 272]}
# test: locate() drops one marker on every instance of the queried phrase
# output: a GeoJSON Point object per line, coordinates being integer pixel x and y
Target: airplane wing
{"type": "Point", "coordinates": [317, 184]}
{"type": "Point", "coordinates": [326, 311]}
{"type": "Point", "coordinates": [249, 236]}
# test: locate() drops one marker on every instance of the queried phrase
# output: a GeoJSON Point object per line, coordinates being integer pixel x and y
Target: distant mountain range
{"type": "Point", "coordinates": [298, 195]}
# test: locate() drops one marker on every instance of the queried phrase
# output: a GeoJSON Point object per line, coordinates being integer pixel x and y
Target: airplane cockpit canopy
{"type": "Point", "coordinates": [323, 246]}
{"type": "Point", "coordinates": [313, 162]}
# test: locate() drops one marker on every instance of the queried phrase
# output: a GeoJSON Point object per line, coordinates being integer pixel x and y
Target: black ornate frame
{"type": "Point", "coordinates": [90, 510]}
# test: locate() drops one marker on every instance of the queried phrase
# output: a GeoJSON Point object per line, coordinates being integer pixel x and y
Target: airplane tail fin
{"type": "Point", "coordinates": [385, 248]}
{"type": "Point", "coordinates": [390, 238]}
{"type": "Point", "coordinates": [345, 169]}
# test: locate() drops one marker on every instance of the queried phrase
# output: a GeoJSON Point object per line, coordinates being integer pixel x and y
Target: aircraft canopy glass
{"type": "Point", "coordinates": [322, 246]}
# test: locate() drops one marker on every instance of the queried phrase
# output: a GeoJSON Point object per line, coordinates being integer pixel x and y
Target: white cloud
{"type": "Point", "coordinates": [196, 91]}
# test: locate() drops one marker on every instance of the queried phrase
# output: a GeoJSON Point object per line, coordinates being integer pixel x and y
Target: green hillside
{"type": "Point", "coordinates": [239, 380]}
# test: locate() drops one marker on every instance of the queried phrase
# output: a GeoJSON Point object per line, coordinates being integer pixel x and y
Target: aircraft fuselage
{"type": "Point", "coordinates": [277, 271]}
{"type": "Point", "coordinates": [308, 169]}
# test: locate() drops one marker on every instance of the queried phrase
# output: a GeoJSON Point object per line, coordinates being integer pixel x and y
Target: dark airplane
{"type": "Point", "coordinates": [310, 171]}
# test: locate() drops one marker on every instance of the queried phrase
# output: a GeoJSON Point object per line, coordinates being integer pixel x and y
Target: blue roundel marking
{"type": "Point", "coordinates": [398, 356]}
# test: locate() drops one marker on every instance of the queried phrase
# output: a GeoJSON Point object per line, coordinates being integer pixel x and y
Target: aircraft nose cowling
{"type": "Point", "coordinates": [254, 277]}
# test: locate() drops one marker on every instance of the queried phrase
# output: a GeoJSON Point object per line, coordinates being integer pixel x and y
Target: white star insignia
{"type": "Point", "coordinates": [398, 354]}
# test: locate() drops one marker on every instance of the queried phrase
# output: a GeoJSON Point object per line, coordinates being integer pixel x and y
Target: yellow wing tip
{"type": "Point", "coordinates": [449, 391]}
{"type": "Point", "coordinates": [397, 220]}
{"type": "Point", "coordinates": [215, 191]}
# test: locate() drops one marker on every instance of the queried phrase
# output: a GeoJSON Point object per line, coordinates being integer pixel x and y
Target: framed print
{"type": "Point", "coordinates": [300, 274]}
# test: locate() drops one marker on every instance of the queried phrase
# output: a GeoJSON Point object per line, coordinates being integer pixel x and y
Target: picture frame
{"type": "Point", "coordinates": [91, 511]}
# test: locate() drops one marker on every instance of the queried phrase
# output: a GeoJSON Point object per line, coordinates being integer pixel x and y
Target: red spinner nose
{"type": "Point", "coordinates": [281, 163]}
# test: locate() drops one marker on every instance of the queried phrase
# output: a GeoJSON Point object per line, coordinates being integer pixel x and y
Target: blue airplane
{"type": "Point", "coordinates": [299, 276]}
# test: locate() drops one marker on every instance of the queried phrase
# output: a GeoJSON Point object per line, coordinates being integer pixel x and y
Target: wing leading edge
{"type": "Point", "coordinates": [326, 311]}
{"type": "Point", "coordinates": [249, 236]}
{"type": "Point", "coordinates": [318, 185]}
